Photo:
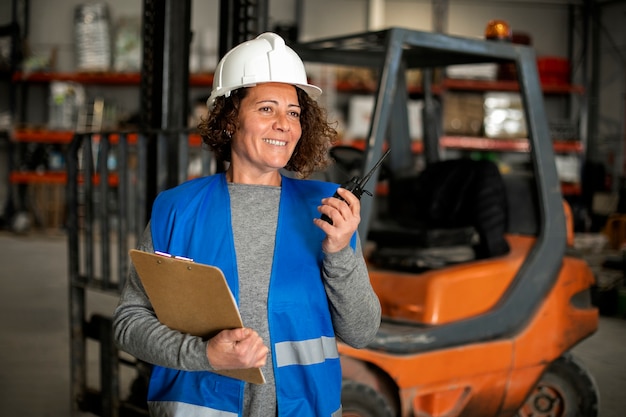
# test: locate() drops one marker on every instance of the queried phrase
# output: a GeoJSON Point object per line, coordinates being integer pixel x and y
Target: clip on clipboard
{"type": "Point", "coordinates": [191, 298]}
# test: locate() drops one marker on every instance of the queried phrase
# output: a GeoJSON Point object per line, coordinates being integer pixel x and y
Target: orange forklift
{"type": "Point", "coordinates": [481, 300]}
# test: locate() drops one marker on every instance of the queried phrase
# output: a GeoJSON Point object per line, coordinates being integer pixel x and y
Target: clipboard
{"type": "Point", "coordinates": [192, 298]}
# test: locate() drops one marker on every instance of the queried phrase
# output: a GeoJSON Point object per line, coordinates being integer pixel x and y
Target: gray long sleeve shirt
{"type": "Point", "coordinates": [354, 307]}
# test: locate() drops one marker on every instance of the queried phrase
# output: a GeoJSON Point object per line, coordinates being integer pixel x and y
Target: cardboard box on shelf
{"type": "Point", "coordinates": [463, 114]}
{"type": "Point", "coordinates": [48, 205]}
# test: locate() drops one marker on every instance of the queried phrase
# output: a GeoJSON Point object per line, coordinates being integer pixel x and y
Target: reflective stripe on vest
{"type": "Point", "coordinates": [171, 408]}
{"type": "Point", "coordinates": [306, 352]}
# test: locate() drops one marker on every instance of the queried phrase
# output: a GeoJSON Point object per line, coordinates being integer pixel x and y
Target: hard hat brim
{"type": "Point", "coordinates": [312, 90]}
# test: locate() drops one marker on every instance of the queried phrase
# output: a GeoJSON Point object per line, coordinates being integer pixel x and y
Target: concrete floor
{"type": "Point", "coordinates": [34, 352]}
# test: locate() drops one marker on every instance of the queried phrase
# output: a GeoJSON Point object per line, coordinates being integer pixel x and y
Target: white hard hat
{"type": "Point", "coordinates": [261, 60]}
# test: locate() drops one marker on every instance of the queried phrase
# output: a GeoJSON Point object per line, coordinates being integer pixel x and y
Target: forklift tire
{"type": "Point", "coordinates": [360, 400]}
{"type": "Point", "coordinates": [566, 389]}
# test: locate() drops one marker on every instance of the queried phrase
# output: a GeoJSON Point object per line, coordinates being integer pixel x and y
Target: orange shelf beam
{"type": "Point", "coordinates": [65, 137]}
{"type": "Point", "coordinates": [483, 144]}
{"type": "Point", "coordinates": [43, 136]}
{"type": "Point", "coordinates": [110, 78]}
{"type": "Point", "coordinates": [505, 85]}
{"type": "Point", "coordinates": [104, 78]}
{"type": "Point", "coordinates": [53, 177]}
{"type": "Point", "coordinates": [568, 188]}
{"type": "Point", "coordinates": [32, 177]}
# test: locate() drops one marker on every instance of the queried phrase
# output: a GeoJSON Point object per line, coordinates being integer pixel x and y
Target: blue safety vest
{"type": "Point", "coordinates": [194, 220]}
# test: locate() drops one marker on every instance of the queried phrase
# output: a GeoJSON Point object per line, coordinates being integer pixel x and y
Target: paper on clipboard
{"type": "Point", "coordinates": [192, 298]}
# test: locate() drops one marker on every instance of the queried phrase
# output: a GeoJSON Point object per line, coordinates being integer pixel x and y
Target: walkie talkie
{"type": "Point", "coordinates": [355, 185]}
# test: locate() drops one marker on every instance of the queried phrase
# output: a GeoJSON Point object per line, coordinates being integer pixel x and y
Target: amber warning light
{"type": "Point", "coordinates": [498, 30]}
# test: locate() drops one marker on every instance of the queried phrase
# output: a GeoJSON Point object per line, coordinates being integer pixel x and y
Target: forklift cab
{"type": "Point", "coordinates": [480, 302]}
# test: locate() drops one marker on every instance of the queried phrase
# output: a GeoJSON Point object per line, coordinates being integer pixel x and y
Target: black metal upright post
{"type": "Point", "coordinates": [18, 31]}
{"type": "Point", "coordinates": [241, 20]}
{"type": "Point", "coordinates": [175, 91]}
{"type": "Point", "coordinates": [164, 88]}
{"type": "Point", "coordinates": [151, 89]}
{"type": "Point", "coordinates": [593, 12]}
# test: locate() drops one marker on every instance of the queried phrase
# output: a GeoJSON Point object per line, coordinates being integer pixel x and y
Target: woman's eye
{"type": "Point", "coordinates": [295, 114]}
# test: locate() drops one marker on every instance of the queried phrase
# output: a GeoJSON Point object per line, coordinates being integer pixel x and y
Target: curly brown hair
{"type": "Point", "coordinates": [311, 152]}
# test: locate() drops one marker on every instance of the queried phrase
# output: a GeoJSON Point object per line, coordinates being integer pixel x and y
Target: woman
{"type": "Point", "coordinates": [300, 282]}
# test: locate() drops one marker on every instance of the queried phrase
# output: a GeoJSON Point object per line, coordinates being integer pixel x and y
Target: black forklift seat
{"type": "Point", "coordinates": [453, 211]}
